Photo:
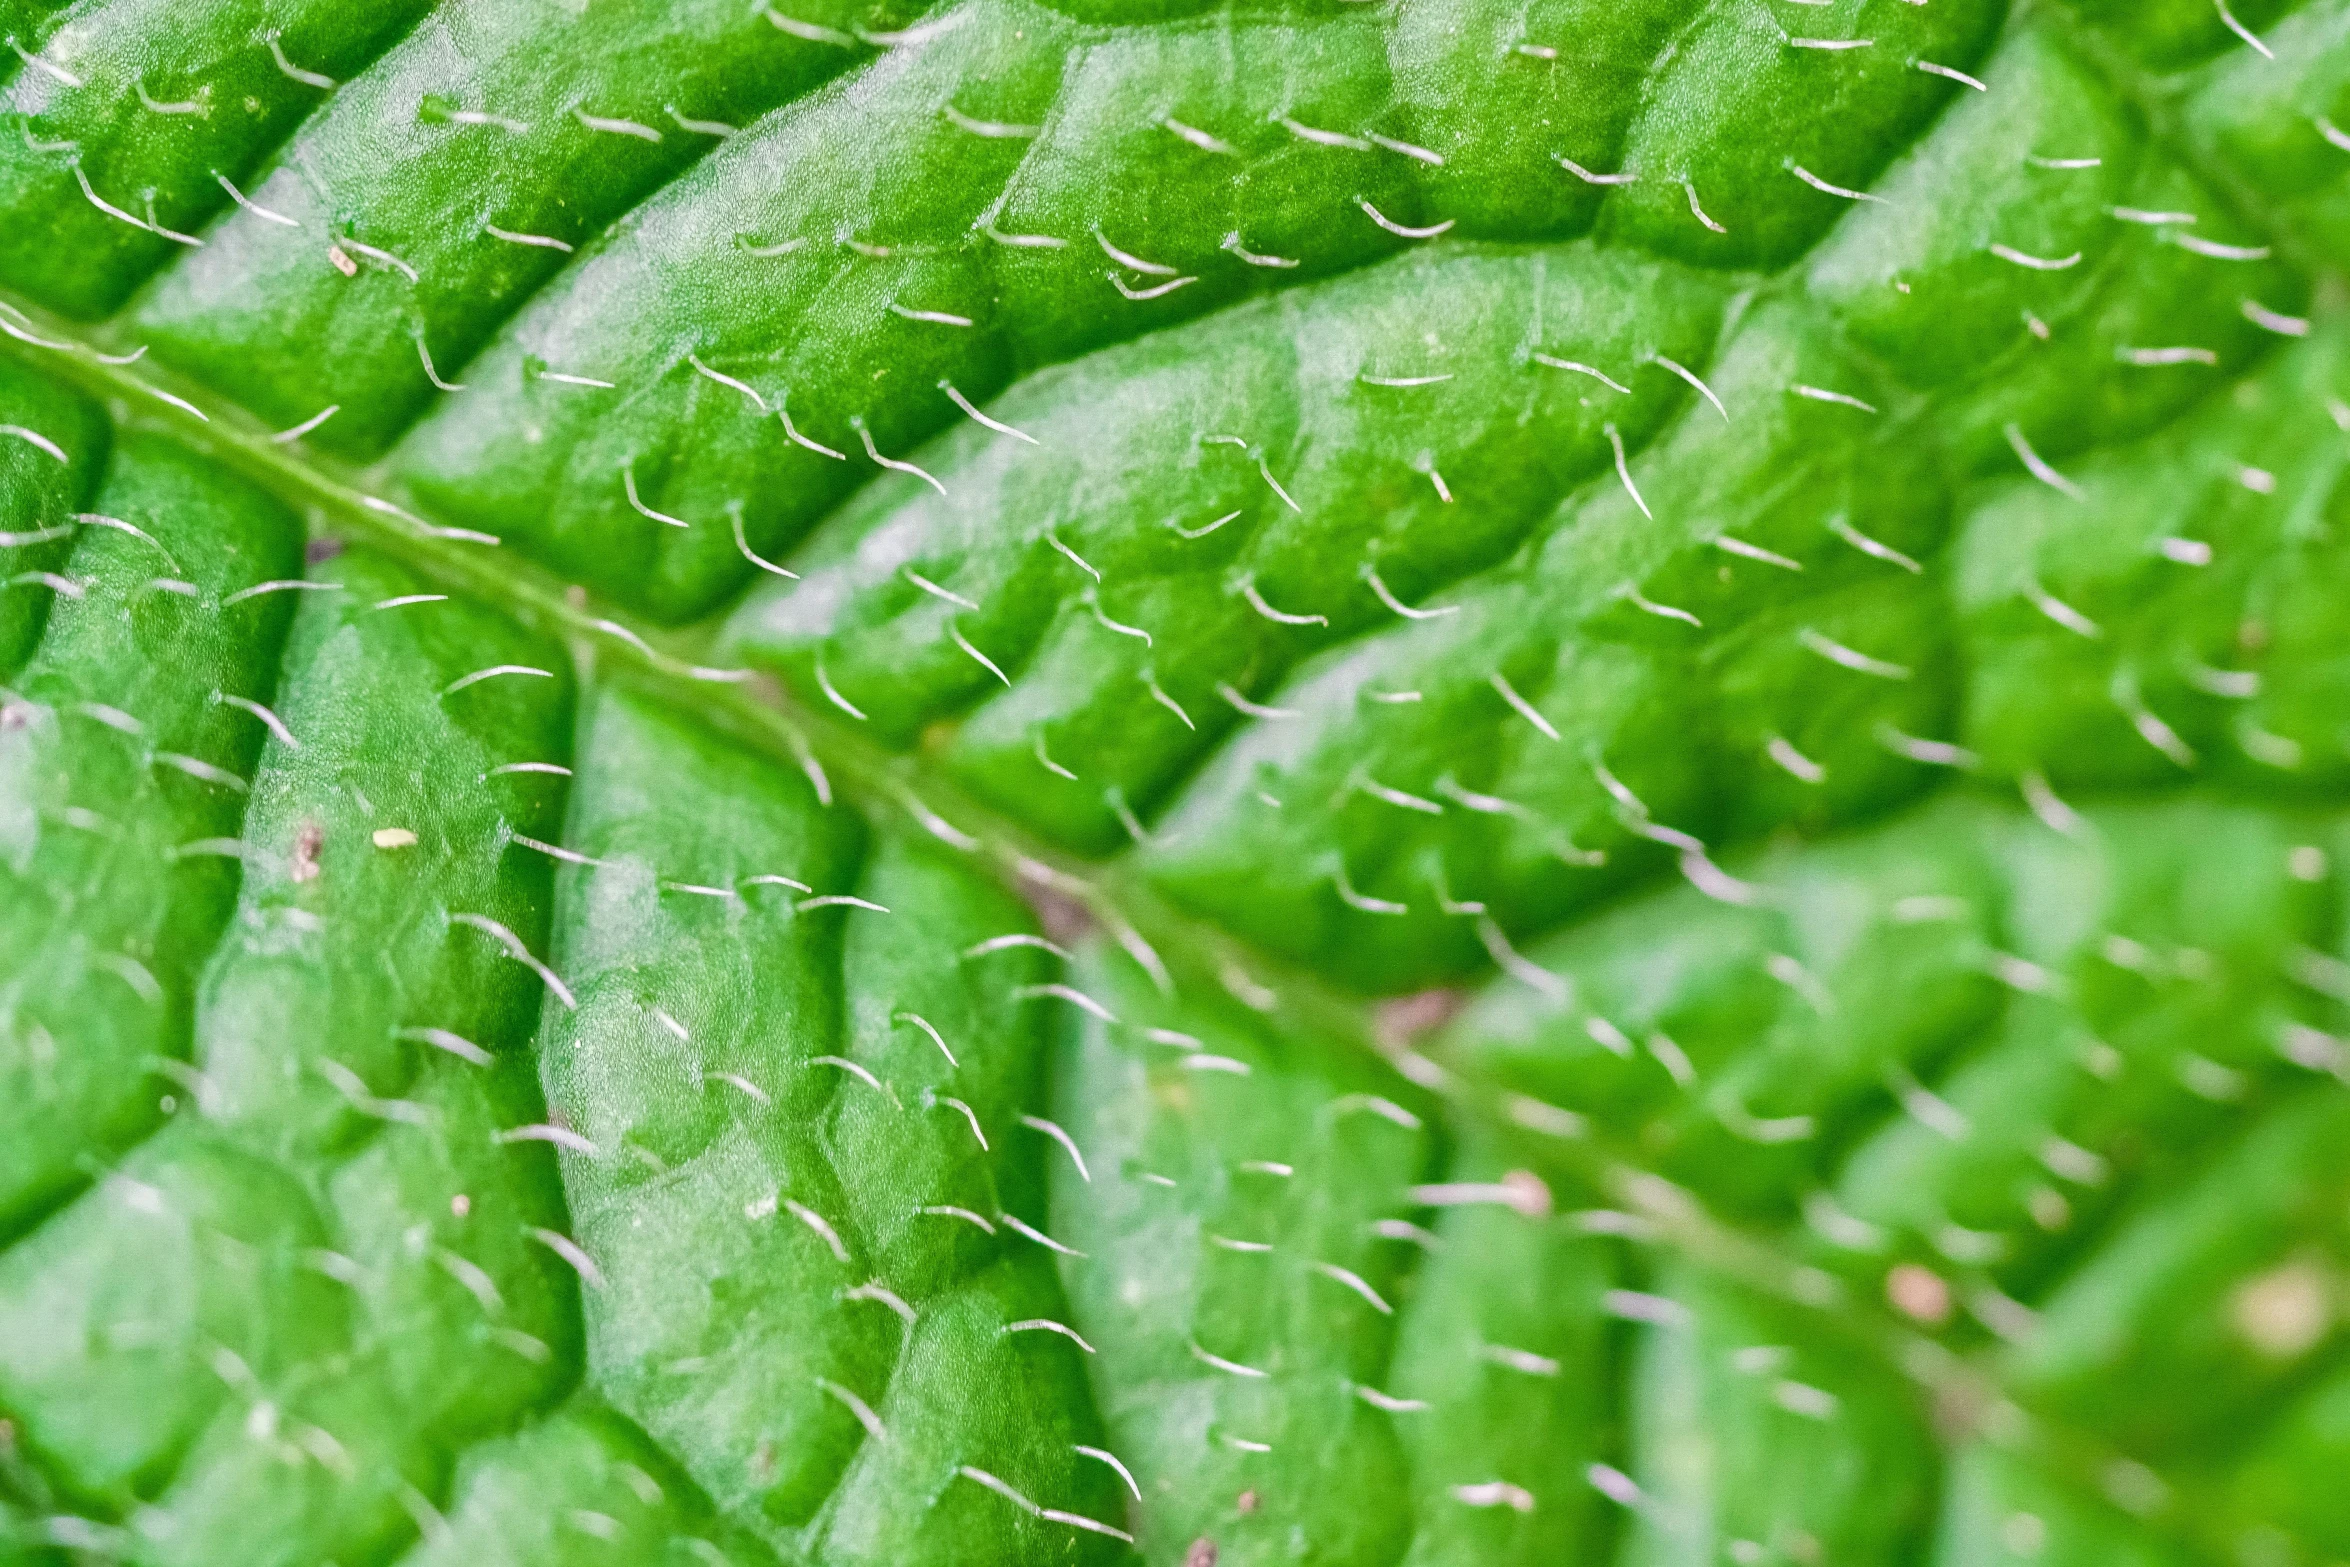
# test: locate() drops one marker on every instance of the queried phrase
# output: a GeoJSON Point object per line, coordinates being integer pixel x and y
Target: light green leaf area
{"type": "Point", "coordinates": [1203, 782]}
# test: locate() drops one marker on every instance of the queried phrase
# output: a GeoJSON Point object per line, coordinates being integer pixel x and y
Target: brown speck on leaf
{"type": "Point", "coordinates": [1201, 1554]}
{"type": "Point", "coordinates": [321, 550]}
{"type": "Point", "coordinates": [342, 262]}
{"type": "Point", "coordinates": [461, 1205]}
{"type": "Point", "coordinates": [307, 843]}
{"type": "Point", "coordinates": [1919, 1294]}
{"type": "Point", "coordinates": [1248, 1501]}
{"type": "Point", "coordinates": [1064, 919]}
{"type": "Point", "coordinates": [1402, 1021]}
{"type": "Point", "coordinates": [14, 715]}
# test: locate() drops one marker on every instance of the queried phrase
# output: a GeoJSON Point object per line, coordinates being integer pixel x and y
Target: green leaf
{"type": "Point", "coordinates": [521, 132]}
{"type": "Point", "coordinates": [1424, 784]}
{"type": "Point", "coordinates": [139, 120]}
{"type": "Point", "coordinates": [128, 742]}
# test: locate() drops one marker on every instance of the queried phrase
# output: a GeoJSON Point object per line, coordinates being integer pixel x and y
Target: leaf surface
{"type": "Point", "coordinates": [1417, 785]}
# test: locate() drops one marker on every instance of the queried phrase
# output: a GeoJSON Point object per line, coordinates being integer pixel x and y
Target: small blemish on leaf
{"type": "Point", "coordinates": [2284, 1313]}
{"type": "Point", "coordinates": [1406, 1019]}
{"type": "Point", "coordinates": [307, 843]}
{"type": "Point", "coordinates": [1919, 1294]}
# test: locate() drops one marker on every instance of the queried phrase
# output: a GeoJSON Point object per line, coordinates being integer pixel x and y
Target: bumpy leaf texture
{"type": "Point", "coordinates": [1375, 783]}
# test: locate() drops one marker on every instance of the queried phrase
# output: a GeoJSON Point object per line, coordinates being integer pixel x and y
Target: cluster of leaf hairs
{"type": "Point", "coordinates": [1362, 783]}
